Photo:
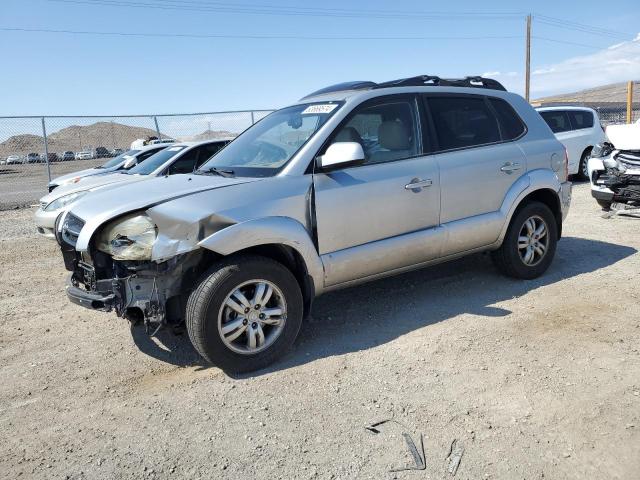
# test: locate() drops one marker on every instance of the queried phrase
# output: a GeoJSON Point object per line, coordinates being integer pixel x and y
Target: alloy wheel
{"type": "Point", "coordinates": [252, 316]}
{"type": "Point", "coordinates": [533, 241]}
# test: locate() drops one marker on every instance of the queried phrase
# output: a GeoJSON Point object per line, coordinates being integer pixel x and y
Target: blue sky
{"type": "Point", "coordinates": [60, 74]}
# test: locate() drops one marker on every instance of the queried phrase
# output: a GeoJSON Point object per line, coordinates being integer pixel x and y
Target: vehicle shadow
{"type": "Point", "coordinates": [375, 313]}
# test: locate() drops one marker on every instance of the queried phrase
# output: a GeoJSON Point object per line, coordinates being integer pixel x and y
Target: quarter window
{"type": "Point", "coordinates": [558, 120]}
{"type": "Point", "coordinates": [387, 130]}
{"type": "Point", "coordinates": [462, 122]}
{"type": "Point", "coordinates": [580, 119]}
{"type": "Point", "coordinates": [510, 123]}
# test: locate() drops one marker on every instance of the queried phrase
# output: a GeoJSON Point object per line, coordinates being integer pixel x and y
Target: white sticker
{"type": "Point", "coordinates": [324, 108]}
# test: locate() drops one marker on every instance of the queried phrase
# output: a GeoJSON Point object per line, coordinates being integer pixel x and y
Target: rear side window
{"type": "Point", "coordinates": [510, 123]}
{"type": "Point", "coordinates": [580, 119]}
{"type": "Point", "coordinates": [463, 122]}
{"type": "Point", "coordinates": [558, 120]}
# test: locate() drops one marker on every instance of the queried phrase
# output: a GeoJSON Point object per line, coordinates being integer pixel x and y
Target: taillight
{"type": "Point", "coordinates": [566, 163]}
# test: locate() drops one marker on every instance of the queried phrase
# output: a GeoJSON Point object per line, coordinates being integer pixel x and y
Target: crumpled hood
{"type": "Point", "coordinates": [92, 183]}
{"type": "Point", "coordinates": [105, 204]}
{"type": "Point", "coordinates": [624, 137]}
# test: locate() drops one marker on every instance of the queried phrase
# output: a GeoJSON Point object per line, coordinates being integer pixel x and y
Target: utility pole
{"type": "Point", "coordinates": [527, 75]}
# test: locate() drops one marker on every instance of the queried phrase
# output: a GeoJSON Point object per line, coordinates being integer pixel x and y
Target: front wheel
{"type": "Point", "coordinates": [530, 243]}
{"type": "Point", "coordinates": [245, 313]}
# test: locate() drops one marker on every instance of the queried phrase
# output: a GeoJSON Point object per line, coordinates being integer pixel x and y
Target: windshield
{"type": "Point", "coordinates": [263, 149]}
{"type": "Point", "coordinates": [156, 160]}
{"type": "Point", "coordinates": [116, 160]}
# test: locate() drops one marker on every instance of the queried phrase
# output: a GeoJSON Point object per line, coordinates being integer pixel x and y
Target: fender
{"type": "Point", "coordinates": [540, 179]}
{"type": "Point", "coordinates": [269, 230]}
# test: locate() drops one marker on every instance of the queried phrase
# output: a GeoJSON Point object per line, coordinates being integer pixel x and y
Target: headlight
{"type": "Point", "coordinates": [128, 238]}
{"type": "Point", "coordinates": [63, 201]}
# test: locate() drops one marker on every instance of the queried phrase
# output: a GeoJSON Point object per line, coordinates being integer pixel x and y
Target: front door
{"type": "Point", "coordinates": [381, 215]}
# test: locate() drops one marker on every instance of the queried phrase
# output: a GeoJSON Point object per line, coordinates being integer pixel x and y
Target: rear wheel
{"type": "Point", "coordinates": [583, 170]}
{"type": "Point", "coordinates": [529, 244]}
{"type": "Point", "coordinates": [245, 313]}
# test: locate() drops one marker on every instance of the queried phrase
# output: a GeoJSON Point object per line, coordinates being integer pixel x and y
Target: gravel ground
{"type": "Point", "coordinates": [536, 379]}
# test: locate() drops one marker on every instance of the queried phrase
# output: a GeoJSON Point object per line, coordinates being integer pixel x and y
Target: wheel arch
{"type": "Point", "coordinates": [282, 239]}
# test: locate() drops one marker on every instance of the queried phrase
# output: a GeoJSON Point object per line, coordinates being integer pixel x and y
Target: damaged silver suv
{"type": "Point", "coordinates": [352, 183]}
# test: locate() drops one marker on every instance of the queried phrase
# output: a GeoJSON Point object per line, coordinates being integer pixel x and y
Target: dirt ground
{"type": "Point", "coordinates": [535, 379]}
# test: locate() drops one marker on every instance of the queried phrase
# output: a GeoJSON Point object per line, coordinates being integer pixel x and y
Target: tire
{"type": "Point", "coordinates": [583, 173]}
{"type": "Point", "coordinates": [509, 257]}
{"type": "Point", "coordinates": [208, 313]}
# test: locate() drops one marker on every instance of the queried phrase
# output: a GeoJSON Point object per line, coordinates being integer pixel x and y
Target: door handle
{"type": "Point", "coordinates": [416, 184]}
{"type": "Point", "coordinates": [510, 167]}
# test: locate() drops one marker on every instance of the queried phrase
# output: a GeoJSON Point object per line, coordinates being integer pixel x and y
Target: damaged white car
{"type": "Point", "coordinates": [614, 167]}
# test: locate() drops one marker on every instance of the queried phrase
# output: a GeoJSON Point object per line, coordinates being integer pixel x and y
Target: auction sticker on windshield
{"type": "Point", "coordinates": [324, 108]}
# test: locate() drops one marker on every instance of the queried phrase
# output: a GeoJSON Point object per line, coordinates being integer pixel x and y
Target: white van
{"type": "Point", "coordinates": [579, 130]}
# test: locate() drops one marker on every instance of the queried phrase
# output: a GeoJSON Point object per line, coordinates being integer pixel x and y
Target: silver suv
{"type": "Point", "coordinates": [354, 182]}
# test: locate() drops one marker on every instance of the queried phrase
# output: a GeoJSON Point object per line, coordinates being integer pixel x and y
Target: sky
{"type": "Point", "coordinates": [218, 55]}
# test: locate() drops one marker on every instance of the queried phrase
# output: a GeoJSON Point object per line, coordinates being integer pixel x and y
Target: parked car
{"type": "Point", "coordinates": [33, 158]}
{"type": "Point", "coordinates": [579, 130]}
{"type": "Point", "coordinates": [102, 152]}
{"type": "Point", "coordinates": [84, 155]}
{"type": "Point", "coordinates": [125, 160]}
{"type": "Point", "coordinates": [68, 155]}
{"type": "Point", "coordinates": [14, 160]}
{"type": "Point", "coordinates": [614, 167]}
{"type": "Point", "coordinates": [117, 151]}
{"type": "Point", "coordinates": [239, 250]}
{"type": "Point", "coordinates": [52, 157]}
{"type": "Point", "coordinates": [167, 160]}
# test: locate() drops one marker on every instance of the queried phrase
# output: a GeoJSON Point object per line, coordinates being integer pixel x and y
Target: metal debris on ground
{"type": "Point", "coordinates": [418, 456]}
{"type": "Point", "coordinates": [621, 210]}
{"type": "Point", "coordinates": [455, 455]}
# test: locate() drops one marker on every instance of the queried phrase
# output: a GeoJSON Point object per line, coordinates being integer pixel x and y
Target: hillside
{"type": "Point", "coordinates": [209, 135]}
{"type": "Point", "coordinates": [615, 92]}
{"type": "Point", "coordinates": [76, 138]}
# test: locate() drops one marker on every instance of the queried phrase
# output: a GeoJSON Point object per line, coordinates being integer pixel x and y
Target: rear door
{"type": "Point", "coordinates": [375, 217]}
{"type": "Point", "coordinates": [479, 160]}
{"type": "Point", "coordinates": [573, 140]}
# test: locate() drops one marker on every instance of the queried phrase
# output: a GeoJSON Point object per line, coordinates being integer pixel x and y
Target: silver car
{"type": "Point", "coordinates": [352, 183]}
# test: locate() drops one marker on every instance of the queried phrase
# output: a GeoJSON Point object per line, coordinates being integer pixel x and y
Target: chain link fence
{"type": "Point", "coordinates": [34, 150]}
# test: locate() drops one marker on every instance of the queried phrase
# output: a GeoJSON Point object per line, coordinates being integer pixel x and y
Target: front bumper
{"type": "Point", "coordinates": [46, 222]}
{"type": "Point", "coordinates": [565, 198]}
{"type": "Point", "coordinates": [93, 300]}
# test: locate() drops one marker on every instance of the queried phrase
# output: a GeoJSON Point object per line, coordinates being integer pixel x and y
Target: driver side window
{"type": "Point", "coordinates": [386, 129]}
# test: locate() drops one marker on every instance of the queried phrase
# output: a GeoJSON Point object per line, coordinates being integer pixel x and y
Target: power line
{"type": "Point", "coordinates": [254, 36]}
{"type": "Point", "coordinates": [568, 24]}
{"type": "Point", "coordinates": [222, 7]}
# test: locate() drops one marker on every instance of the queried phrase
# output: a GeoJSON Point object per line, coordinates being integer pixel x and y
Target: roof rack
{"type": "Point", "coordinates": [339, 87]}
{"type": "Point", "coordinates": [419, 81]}
{"type": "Point", "coordinates": [433, 81]}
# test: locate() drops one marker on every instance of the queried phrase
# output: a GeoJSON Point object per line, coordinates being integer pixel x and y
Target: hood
{"type": "Point", "coordinates": [624, 137]}
{"type": "Point", "coordinates": [91, 183]}
{"type": "Point", "coordinates": [105, 204]}
{"type": "Point", "coordinates": [70, 176]}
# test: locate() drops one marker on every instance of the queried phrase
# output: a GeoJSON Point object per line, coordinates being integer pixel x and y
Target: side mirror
{"type": "Point", "coordinates": [128, 163]}
{"type": "Point", "coordinates": [341, 155]}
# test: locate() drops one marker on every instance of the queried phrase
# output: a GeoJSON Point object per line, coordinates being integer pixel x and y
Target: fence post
{"type": "Point", "coordinates": [629, 101]}
{"type": "Point", "coordinates": [46, 149]}
{"type": "Point", "coordinates": [155, 120]}
{"type": "Point", "coordinates": [253, 119]}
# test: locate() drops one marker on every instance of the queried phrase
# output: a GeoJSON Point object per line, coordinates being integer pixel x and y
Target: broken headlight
{"type": "Point", "coordinates": [128, 238]}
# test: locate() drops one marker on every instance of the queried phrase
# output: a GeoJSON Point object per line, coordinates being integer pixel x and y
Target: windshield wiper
{"type": "Point", "coordinates": [216, 171]}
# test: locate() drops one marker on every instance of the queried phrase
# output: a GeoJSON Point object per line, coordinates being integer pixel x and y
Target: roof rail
{"type": "Point", "coordinates": [339, 87]}
{"type": "Point", "coordinates": [432, 80]}
{"type": "Point", "coordinates": [419, 81]}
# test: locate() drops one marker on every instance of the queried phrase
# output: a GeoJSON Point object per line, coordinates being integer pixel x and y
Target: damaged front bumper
{"type": "Point", "coordinates": [615, 178]}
